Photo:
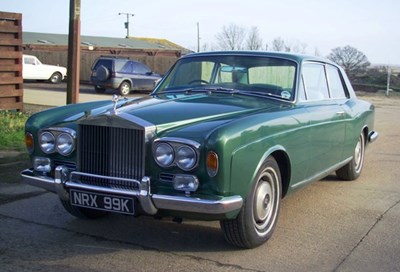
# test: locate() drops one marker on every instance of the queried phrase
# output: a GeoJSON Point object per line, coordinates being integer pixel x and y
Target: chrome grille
{"type": "Point", "coordinates": [111, 152]}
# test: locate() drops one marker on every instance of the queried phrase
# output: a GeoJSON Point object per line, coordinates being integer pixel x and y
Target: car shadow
{"type": "Point", "coordinates": [156, 234]}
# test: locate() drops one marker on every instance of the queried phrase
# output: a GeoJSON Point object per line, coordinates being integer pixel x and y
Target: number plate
{"type": "Point", "coordinates": [110, 203]}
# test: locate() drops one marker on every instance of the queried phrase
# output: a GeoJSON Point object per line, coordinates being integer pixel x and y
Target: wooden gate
{"type": "Point", "coordinates": [11, 82]}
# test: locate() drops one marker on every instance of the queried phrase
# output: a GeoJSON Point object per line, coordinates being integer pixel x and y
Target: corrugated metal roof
{"type": "Point", "coordinates": [161, 42]}
{"type": "Point", "coordinates": [62, 39]}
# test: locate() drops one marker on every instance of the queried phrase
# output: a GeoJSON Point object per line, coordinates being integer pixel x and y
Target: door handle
{"type": "Point", "coordinates": [340, 113]}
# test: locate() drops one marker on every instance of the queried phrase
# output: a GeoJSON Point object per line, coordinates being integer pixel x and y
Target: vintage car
{"type": "Point", "coordinates": [33, 69]}
{"type": "Point", "coordinates": [224, 136]}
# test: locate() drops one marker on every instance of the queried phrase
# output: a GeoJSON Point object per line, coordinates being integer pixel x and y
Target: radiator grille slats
{"type": "Point", "coordinates": [113, 152]}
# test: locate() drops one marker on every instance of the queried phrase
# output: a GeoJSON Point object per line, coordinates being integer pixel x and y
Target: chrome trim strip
{"type": "Point", "coordinates": [198, 205]}
{"type": "Point", "coordinates": [178, 141]}
{"type": "Point", "coordinates": [61, 130]}
{"type": "Point", "coordinates": [43, 182]}
{"type": "Point", "coordinates": [103, 177]}
{"type": "Point", "coordinates": [74, 185]}
{"type": "Point", "coordinates": [372, 136]}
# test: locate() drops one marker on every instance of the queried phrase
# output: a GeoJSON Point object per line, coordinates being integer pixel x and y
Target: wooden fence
{"type": "Point", "coordinates": [11, 82]}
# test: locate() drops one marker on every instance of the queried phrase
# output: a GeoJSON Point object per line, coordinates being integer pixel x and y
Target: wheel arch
{"type": "Point", "coordinates": [127, 80]}
{"type": "Point", "coordinates": [283, 161]}
{"type": "Point", "coordinates": [280, 155]}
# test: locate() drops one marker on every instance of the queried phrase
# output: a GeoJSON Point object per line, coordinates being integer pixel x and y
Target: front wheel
{"type": "Point", "coordinates": [258, 217]}
{"type": "Point", "coordinates": [56, 78]}
{"type": "Point", "coordinates": [352, 170]}
{"type": "Point", "coordinates": [125, 88]}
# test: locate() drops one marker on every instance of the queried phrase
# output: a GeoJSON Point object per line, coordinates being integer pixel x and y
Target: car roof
{"type": "Point", "coordinates": [290, 56]}
{"type": "Point", "coordinates": [118, 59]}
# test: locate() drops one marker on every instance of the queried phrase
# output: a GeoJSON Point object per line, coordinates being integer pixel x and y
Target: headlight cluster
{"type": "Point", "coordinates": [61, 140]}
{"type": "Point", "coordinates": [169, 152]}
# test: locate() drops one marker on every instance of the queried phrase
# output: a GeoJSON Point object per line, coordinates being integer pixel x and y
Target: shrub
{"type": "Point", "coordinates": [12, 130]}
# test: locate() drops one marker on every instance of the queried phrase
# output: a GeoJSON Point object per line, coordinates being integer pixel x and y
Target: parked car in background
{"type": "Point", "coordinates": [224, 136]}
{"type": "Point", "coordinates": [122, 74]}
{"type": "Point", "coordinates": [33, 69]}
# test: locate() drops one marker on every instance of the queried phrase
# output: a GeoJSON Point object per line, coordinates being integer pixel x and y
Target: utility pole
{"type": "Point", "coordinates": [127, 22]}
{"type": "Point", "coordinates": [389, 72]}
{"type": "Point", "coordinates": [198, 37]}
{"type": "Point", "coordinates": [74, 51]}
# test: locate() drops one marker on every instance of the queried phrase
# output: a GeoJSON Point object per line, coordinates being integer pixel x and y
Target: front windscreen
{"type": "Point", "coordinates": [254, 74]}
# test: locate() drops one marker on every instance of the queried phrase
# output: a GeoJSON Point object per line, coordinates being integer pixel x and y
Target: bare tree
{"type": "Point", "coordinates": [231, 37]}
{"type": "Point", "coordinates": [352, 60]}
{"type": "Point", "coordinates": [298, 47]}
{"type": "Point", "coordinates": [254, 42]}
{"type": "Point", "coordinates": [316, 52]}
{"type": "Point", "coordinates": [278, 44]}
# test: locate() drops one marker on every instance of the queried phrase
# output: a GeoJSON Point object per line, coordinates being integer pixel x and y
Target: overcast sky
{"type": "Point", "coordinates": [371, 26]}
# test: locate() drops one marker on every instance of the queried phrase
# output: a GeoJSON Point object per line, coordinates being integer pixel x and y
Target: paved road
{"type": "Point", "coordinates": [330, 225]}
{"type": "Point", "coordinates": [56, 95]}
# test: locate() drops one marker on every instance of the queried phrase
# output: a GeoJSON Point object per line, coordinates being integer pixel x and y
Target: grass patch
{"type": "Point", "coordinates": [12, 130]}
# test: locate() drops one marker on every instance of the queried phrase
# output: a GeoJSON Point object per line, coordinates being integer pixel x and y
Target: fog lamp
{"type": "Point", "coordinates": [187, 183]}
{"type": "Point", "coordinates": [41, 164]}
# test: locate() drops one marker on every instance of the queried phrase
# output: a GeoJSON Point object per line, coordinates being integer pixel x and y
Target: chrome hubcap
{"type": "Point", "coordinates": [358, 154]}
{"type": "Point", "coordinates": [125, 89]}
{"type": "Point", "coordinates": [263, 201]}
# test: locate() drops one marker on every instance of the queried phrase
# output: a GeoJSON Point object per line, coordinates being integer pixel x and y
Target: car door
{"type": "Point", "coordinates": [340, 94]}
{"type": "Point", "coordinates": [326, 120]}
{"type": "Point", "coordinates": [31, 68]}
{"type": "Point", "coordinates": [143, 76]}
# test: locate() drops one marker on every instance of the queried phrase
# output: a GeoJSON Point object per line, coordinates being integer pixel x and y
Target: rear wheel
{"type": "Point", "coordinates": [352, 170]}
{"type": "Point", "coordinates": [258, 217]}
{"type": "Point", "coordinates": [82, 213]}
{"type": "Point", "coordinates": [56, 78]}
{"type": "Point", "coordinates": [125, 88]}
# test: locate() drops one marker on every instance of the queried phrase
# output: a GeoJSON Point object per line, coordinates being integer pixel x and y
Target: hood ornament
{"type": "Point", "coordinates": [115, 99]}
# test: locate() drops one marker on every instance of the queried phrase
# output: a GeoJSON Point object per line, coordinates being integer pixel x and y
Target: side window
{"type": "Point", "coordinates": [315, 81]}
{"type": "Point", "coordinates": [335, 82]}
{"type": "Point", "coordinates": [28, 60]}
{"type": "Point", "coordinates": [139, 68]}
{"type": "Point", "coordinates": [302, 94]}
{"type": "Point", "coordinates": [127, 68]}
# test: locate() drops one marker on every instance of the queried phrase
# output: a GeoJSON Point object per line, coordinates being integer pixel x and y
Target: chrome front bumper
{"type": "Point", "coordinates": [150, 203]}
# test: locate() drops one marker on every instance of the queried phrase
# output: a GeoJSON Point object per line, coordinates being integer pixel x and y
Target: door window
{"type": "Point", "coordinates": [315, 82]}
{"type": "Point", "coordinates": [335, 82]}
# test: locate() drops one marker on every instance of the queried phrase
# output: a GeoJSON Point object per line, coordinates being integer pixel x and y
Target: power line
{"type": "Point", "coordinates": [127, 22]}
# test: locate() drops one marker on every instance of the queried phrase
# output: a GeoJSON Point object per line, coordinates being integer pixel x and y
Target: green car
{"type": "Point", "coordinates": [223, 136]}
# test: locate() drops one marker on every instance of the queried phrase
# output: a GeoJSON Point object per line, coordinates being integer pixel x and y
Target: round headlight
{"type": "Point", "coordinates": [65, 144]}
{"type": "Point", "coordinates": [164, 154]}
{"type": "Point", "coordinates": [186, 158]}
{"type": "Point", "coordinates": [47, 142]}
